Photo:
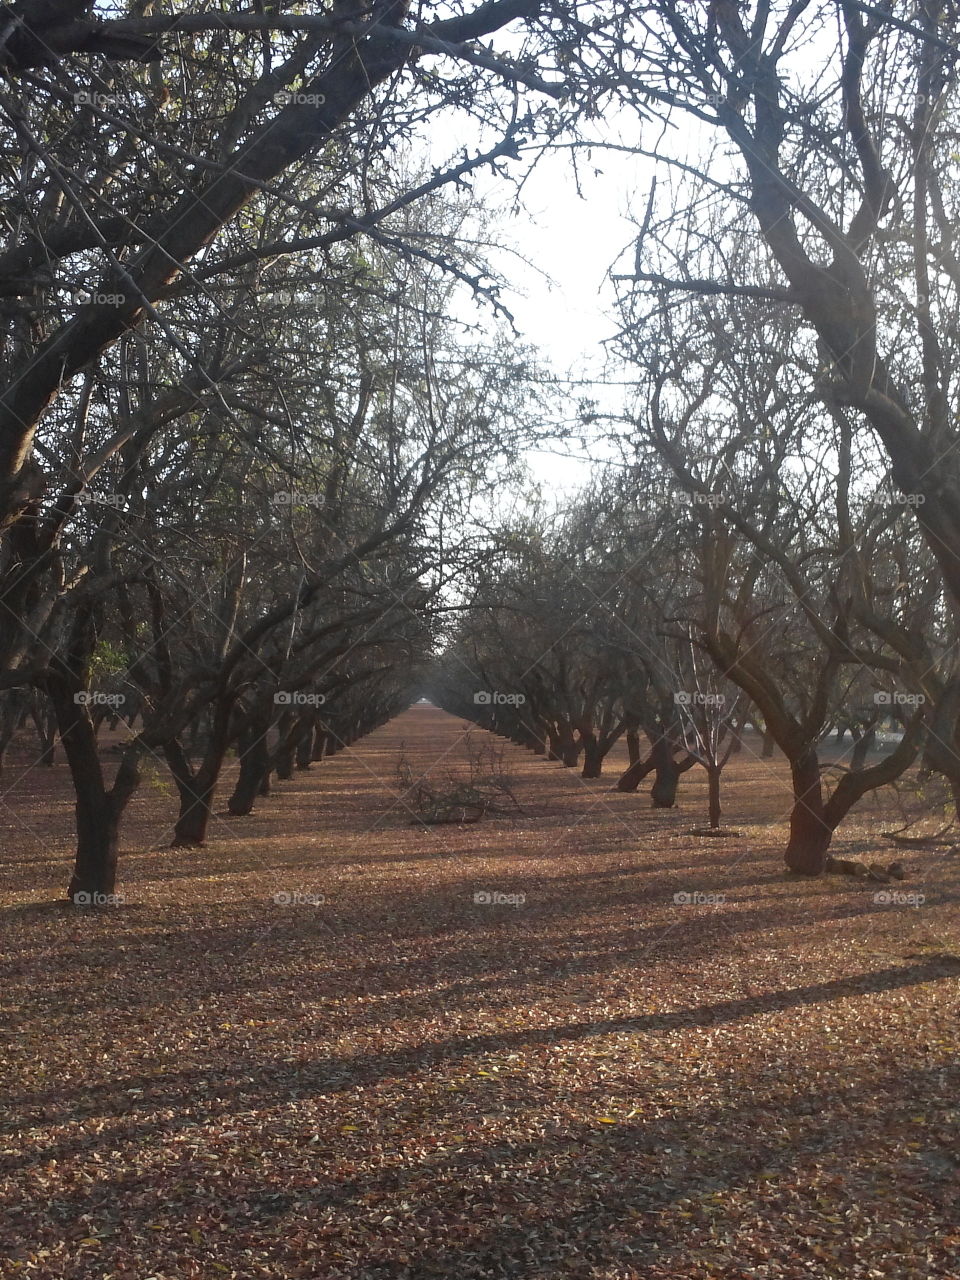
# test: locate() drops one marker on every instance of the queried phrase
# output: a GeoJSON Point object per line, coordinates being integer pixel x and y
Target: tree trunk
{"type": "Point", "coordinates": [663, 793]}
{"type": "Point", "coordinates": [553, 747]}
{"type": "Point", "coordinates": [713, 794]}
{"type": "Point", "coordinates": [861, 747]}
{"type": "Point", "coordinates": [633, 746]}
{"type": "Point", "coordinates": [631, 778]}
{"type": "Point", "coordinates": [592, 757]}
{"type": "Point", "coordinates": [98, 811]}
{"type": "Point", "coordinates": [254, 760]}
{"type": "Point", "coordinates": [196, 790]}
{"type": "Point", "coordinates": [768, 744]}
{"type": "Point", "coordinates": [810, 835]}
{"type": "Point", "coordinates": [304, 756]}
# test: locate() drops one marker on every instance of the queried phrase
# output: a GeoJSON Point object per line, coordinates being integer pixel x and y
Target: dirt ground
{"type": "Point", "coordinates": [332, 1044]}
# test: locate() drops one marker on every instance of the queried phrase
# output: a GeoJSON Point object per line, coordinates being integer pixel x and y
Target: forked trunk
{"type": "Point", "coordinates": [196, 791]}
{"type": "Point", "coordinates": [98, 811]}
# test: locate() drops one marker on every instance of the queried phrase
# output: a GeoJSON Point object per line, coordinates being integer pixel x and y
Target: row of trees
{"type": "Point", "coordinates": [220, 286]}
{"type": "Point", "coordinates": [791, 318]}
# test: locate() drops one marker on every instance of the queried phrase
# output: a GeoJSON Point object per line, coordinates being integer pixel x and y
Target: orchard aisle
{"type": "Point", "coordinates": [323, 1047]}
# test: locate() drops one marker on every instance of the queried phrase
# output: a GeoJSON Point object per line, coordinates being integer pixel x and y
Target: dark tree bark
{"type": "Point", "coordinates": [862, 747]}
{"type": "Point", "coordinates": [713, 794]}
{"type": "Point", "coordinates": [99, 810]}
{"type": "Point", "coordinates": [631, 778]}
{"type": "Point", "coordinates": [254, 763]}
{"type": "Point", "coordinates": [592, 756]}
{"type": "Point", "coordinates": [810, 835]}
{"type": "Point", "coordinates": [663, 793]}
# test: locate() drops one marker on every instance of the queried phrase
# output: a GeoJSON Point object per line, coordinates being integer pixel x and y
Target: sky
{"type": "Point", "coordinates": [563, 302]}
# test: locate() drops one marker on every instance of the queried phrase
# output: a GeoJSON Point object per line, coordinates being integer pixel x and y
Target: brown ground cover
{"type": "Point", "coordinates": [383, 1078]}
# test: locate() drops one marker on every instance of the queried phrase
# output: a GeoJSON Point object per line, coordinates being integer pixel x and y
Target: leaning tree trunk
{"type": "Point", "coordinates": [254, 762]}
{"type": "Point", "coordinates": [810, 834]}
{"type": "Point", "coordinates": [631, 778]}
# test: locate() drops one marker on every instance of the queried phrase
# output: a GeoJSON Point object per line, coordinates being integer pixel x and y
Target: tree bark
{"type": "Point", "coordinates": [810, 834]}
{"type": "Point", "coordinates": [663, 793]}
{"type": "Point", "coordinates": [592, 757]}
{"type": "Point", "coordinates": [98, 810]}
{"type": "Point", "coordinates": [196, 789]}
{"type": "Point", "coordinates": [254, 759]}
{"type": "Point", "coordinates": [713, 794]}
{"type": "Point", "coordinates": [631, 778]}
